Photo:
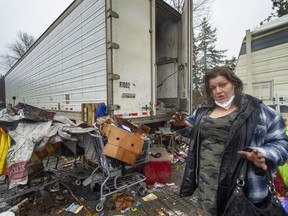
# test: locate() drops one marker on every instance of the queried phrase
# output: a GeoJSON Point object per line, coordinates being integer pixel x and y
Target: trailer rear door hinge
{"type": "Point", "coordinates": [112, 45]}
{"type": "Point", "coordinates": [147, 107]}
{"type": "Point", "coordinates": [113, 77]}
{"type": "Point", "coordinates": [113, 14]}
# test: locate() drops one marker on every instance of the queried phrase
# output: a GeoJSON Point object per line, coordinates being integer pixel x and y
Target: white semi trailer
{"type": "Point", "coordinates": [128, 54]}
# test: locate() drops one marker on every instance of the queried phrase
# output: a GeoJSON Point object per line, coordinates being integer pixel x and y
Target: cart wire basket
{"type": "Point", "coordinates": [110, 176]}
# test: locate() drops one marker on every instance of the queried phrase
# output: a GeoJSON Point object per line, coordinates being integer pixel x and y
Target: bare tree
{"type": "Point", "coordinates": [177, 4]}
{"type": "Point", "coordinates": [7, 61]}
{"type": "Point", "coordinates": [201, 9]}
{"type": "Point", "coordinates": [16, 50]}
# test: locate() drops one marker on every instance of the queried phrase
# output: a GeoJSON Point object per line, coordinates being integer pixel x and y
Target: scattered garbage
{"type": "Point", "coordinates": [149, 197]}
{"type": "Point", "coordinates": [158, 185]}
{"type": "Point", "coordinates": [65, 163]}
{"type": "Point", "coordinates": [74, 208]}
{"type": "Point", "coordinates": [156, 155]}
{"type": "Point", "coordinates": [125, 210]}
{"type": "Point", "coordinates": [134, 208]}
{"type": "Point", "coordinates": [122, 201]}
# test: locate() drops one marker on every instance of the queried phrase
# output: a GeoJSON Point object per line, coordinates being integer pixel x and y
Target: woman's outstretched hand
{"type": "Point", "coordinates": [256, 158]}
{"type": "Point", "coordinates": [179, 120]}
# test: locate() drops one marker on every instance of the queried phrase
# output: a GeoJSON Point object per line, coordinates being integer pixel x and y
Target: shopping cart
{"type": "Point", "coordinates": [110, 174]}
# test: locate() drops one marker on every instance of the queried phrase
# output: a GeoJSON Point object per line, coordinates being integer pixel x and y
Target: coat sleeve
{"type": "Point", "coordinates": [270, 137]}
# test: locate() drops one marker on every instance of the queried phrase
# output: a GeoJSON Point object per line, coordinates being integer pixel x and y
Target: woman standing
{"type": "Point", "coordinates": [230, 125]}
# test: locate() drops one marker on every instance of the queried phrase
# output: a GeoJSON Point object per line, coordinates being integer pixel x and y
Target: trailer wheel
{"type": "Point", "coordinates": [99, 207]}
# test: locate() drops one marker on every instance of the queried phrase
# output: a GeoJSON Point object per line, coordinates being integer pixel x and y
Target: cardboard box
{"type": "Point", "coordinates": [139, 129]}
{"type": "Point", "coordinates": [122, 145]}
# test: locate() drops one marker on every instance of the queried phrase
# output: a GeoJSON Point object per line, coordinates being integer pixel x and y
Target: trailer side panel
{"type": "Point", "coordinates": [68, 67]}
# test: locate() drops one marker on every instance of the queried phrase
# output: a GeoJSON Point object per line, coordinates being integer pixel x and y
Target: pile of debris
{"type": "Point", "coordinates": [48, 161]}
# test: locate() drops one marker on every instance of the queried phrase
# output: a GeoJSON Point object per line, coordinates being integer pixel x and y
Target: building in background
{"type": "Point", "coordinates": [263, 63]}
{"type": "Point", "coordinates": [2, 92]}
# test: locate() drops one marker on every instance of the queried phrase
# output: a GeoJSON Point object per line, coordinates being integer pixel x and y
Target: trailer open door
{"type": "Point", "coordinates": [156, 70]}
{"type": "Point", "coordinates": [130, 57]}
{"type": "Point", "coordinates": [172, 56]}
{"type": "Point", "coordinates": [187, 56]}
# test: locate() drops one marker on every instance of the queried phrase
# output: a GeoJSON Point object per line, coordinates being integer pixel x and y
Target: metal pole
{"type": "Point", "coordinates": [249, 62]}
{"type": "Point", "coordinates": [190, 54]}
{"type": "Point", "coordinates": [277, 101]}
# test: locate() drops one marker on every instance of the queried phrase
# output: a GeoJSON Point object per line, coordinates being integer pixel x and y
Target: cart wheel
{"type": "Point", "coordinates": [99, 207]}
{"type": "Point", "coordinates": [56, 186]}
{"type": "Point", "coordinates": [78, 182]}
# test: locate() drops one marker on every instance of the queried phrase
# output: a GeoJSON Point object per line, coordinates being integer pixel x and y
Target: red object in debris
{"type": "Point", "coordinates": [158, 169]}
{"type": "Point", "coordinates": [280, 187]}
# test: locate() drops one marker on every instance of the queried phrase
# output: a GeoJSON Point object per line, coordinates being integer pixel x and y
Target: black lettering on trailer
{"type": "Point", "coordinates": [124, 84]}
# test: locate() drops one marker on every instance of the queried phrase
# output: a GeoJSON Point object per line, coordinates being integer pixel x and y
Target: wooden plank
{"type": "Point", "coordinates": [88, 112]}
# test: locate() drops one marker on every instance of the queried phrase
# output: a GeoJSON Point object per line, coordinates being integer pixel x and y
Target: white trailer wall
{"type": "Point", "coordinates": [116, 52]}
{"type": "Point", "coordinates": [67, 65]}
{"type": "Point", "coordinates": [266, 66]}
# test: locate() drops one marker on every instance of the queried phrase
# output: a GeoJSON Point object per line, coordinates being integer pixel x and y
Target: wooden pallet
{"type": "Point", "coordinates": [88, 112]}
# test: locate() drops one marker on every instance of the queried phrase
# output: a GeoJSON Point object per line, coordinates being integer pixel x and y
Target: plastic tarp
{"type": "Point", "coordinates": [26, 136]}
{"type": "Point", "coordinates": [33, 130]}
{"type": "Point", "coordinates": [5, 142]}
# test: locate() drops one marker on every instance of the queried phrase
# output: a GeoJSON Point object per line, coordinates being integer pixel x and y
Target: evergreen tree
{"type": "Point", "coordinates": [280, 8]}
{"type": "Point", "coordinates": [206, 54]}
{"type": "Point", "coordinates": [231, 63]}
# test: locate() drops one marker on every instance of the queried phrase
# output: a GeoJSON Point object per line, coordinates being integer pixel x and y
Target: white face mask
{"type": "Point", "coordinates": [226, 105]}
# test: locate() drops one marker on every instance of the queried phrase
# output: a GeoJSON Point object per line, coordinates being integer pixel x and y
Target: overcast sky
{"type": "Point", "coordinates": [231, 18]}
{"type": "Point", "coordinates": [30, 16]}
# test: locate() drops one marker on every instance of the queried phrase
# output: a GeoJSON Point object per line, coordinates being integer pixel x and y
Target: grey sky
{"type": "Point", "coordinates": [230, 17]}
{"type": "Point", "coordinates": [30, 16]}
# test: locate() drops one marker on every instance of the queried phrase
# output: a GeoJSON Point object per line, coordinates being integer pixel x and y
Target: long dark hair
{"type": "Point", "coordinates": [228, 74]}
